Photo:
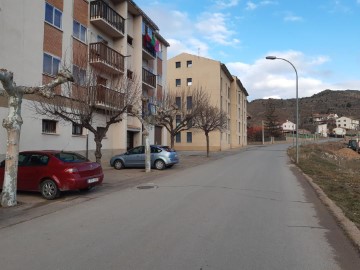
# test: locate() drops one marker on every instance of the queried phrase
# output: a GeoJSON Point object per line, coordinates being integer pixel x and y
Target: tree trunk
{"type": "Point", "coordinates": [13, 126]}
{"type": "Point", "coordinates": [207, 144]}
{"type": "Point", "coordinates": [98, 154]}
{"type": "Point", "coordinates": [172, 140]}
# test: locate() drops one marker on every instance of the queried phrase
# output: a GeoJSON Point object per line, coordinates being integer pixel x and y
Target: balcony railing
{"type": "Point", "coordinates": [107, 19]}
{"type": "Point", "coordinates": [149, 47]}
{"type": "Point", "coordinates": [148, 78]}
{"type": "Point", "coordinates": [106, 98]}
{"type": "Point", "coordinates": [102, 56]}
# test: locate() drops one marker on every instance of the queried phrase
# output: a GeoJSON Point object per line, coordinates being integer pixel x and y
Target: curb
{"type": "Point", "coordinates": [346, 224]}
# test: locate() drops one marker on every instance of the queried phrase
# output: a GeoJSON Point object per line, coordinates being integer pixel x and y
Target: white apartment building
{"type": "Point", "coordinates": [38, 36]}
{"type": "Point", "coordinates": [347, 123]}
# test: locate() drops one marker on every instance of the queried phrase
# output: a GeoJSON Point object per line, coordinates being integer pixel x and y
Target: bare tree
{"type": "Point", "coordinates": [210, 118]}
{"type": "Point", "coordinates": [116, 98]}
{"type": "Point", "coordinates": [13, 126]}
{"type": "Point", "coordinates": [177, 109]}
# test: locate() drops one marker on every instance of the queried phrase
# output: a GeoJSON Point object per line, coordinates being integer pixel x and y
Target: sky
{"type": "Point", "coordinates": [321, 38]}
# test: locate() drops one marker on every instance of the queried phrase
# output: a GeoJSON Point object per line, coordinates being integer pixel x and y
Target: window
{"type": "Point", "coordinates": [77, 129]}
{"type": "Point", "coordinates": [189, 63]}
{"type": "Point", "coordinates": [101, 131]}
{"type": "Point", "coordinates": [178, 102]}
{"type": "Point", "coordinates": [51, 64]}
{"type": "Point", "coordinates": [178, 137]}
{"type": "Point", "coordinates": [189, 103]}
{"type": "Point", "coordinates": [53, 15]}
{"type": "Point", "coordinates": [178, 82]}
{"type": "Point", "coordinates": [189, 81]}
{"type": "Point", "coordinates": [79, 31]}
{"type": "Point", "coordinates": [130, 40]}
{"type": "Point", "coordinates": [79, 75]}
{"type": "Point", "coordinates": [178, 64]}
{"type": "Point", "coordinates": [189, 137]}
{"type": "Point", "coordinates": [130, 74]}
{"type": "Point", "coordinates": [178, 119]}
{"type": "Point", "coordinates": [49, 126]}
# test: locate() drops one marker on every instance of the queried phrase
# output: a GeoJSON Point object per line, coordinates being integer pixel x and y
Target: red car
{"type": "Point", "coordinates": [53, 171]}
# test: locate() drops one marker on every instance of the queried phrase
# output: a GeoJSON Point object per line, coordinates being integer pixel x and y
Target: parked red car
{"type": "Point", "coordinates": [53, 171]}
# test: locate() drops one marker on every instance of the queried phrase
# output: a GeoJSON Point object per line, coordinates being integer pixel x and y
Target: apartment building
{"type": "Point", "coordinates": [226, 92]}
{"type": "Point", "coordinates": [116, 36]}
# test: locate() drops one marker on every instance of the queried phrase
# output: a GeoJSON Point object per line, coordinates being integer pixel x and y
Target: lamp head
{"type": "Point", "coordinates": [270, 57]}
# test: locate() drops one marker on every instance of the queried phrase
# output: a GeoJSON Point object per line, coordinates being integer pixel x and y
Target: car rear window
{"type": "Point", "coordinates": [70, 157]}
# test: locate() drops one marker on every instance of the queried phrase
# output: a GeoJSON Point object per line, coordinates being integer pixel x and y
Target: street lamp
{"type": "Point", "coordinates": [297, 104]}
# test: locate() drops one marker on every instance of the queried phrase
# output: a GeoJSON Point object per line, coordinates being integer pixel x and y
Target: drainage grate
{"type": "Point", "coordinates": [148, 186]}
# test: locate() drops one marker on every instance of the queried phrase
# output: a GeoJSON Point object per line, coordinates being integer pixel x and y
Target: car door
{"type": "Point", "coordinates": [31, 170]}
{"type": "Point", "coordinates": [134, 157]}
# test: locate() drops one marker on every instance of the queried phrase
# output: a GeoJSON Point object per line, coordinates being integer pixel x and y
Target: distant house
{"type": "Point", "coordinates": [288, 127]}
{"type": "Point", "coordinates": [323, 118]}
{"type": "Point", "coordinates": [347, 123]}
{"type": "Point", "coordinates": [322, 129]}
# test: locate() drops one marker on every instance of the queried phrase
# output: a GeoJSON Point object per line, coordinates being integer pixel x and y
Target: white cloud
{"type": "Point", "coordinates": [265, 78]}
{"type": "Point", "coordinates": [252, 6]}
{"type": "Point", "coordinates": [292, 18]}
{"type": "Point", "coordinates": [213, 26]}
{"type": "Point", "coordinates": [226, 4]}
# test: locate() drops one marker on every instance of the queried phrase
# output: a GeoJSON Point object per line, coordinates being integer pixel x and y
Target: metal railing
{"type": "Point", "coordinates": [105, 97]}
{"type": "Point", "coordinates": [99, 52]}
{"type": "Point", "coordinates": [99, 9]}
{"type": "Point", "coordinates": [148, 77]}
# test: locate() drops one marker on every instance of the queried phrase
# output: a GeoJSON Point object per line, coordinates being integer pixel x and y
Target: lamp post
{"type": "Point", "coordinates": [297, 104]}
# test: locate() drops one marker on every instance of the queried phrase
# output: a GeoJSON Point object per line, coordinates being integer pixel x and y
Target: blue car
{"type": "Point", "coordinates": [161, 157]}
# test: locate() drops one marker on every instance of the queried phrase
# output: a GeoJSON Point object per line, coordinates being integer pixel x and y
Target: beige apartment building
{"type": "Point", "coordinates": [116, 36]}
{"type": "Point", "coordinates": [226, 92]}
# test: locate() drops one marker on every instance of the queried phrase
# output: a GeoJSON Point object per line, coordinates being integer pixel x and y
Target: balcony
{"type": "Point", "coordinates": [106, 98]}
{"type": "Point", "coordinates": [148, 78]}
{"type": "Point", "coordinates": [106, 19]}
{"type": "Point", "coordinates": [149, 52]}
{"type": "Point", "coordinates": [103, 57]}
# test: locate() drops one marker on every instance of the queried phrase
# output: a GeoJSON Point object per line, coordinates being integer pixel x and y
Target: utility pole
{"type": "Point", "coordinates": [263, 135]}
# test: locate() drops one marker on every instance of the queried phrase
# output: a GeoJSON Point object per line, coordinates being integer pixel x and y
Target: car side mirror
{"type": "Point", "coordinates": [2, 164]}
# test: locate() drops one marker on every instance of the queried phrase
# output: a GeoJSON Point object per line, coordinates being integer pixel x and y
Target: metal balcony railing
{"type": "Point", "coordinates": [105, 98]}
{"type": "Point", "coordinates": [148, 78]}
{"type": "Point", "coordinates": [100, 10]}
{"type": "Point", "coordinates": [101, 54]}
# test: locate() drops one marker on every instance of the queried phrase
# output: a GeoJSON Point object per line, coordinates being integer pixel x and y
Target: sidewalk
{"type": "Point", "coordinates": [32, 205]}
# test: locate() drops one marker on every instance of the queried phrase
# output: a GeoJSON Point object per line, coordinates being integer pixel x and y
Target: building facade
{"type": "Point", "coordinates": [288, 127]}
{"type": "Point", "coordinates": [115, 36]}
{"type": "Point", "coordinates": [347, 123]}
{"type": "Point", "coordinates": [226, 92]}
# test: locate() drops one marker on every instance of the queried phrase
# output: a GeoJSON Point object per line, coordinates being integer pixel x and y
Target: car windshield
{"type": "Point", "coordinates": [70, 157]}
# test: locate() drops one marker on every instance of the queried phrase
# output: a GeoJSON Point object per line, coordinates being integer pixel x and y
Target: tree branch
{"type": "Point", "coordinates": [47, 89]}
{"type": "Point", "coordinates": [6, 78]}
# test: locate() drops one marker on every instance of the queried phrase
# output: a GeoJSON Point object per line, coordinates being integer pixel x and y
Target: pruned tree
{"type": "Point", "coordinates": [209, 119]}
{"type": "Point", "coordinates": [14, 122]}
{"type": "Point", "coordinates": [177, 109]}
{"type": "Point", "coordinates": [114, 98]}
{"type": "Point", "coordinates": [272, 123]}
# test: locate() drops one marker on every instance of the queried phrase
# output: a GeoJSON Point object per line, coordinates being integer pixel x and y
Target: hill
{"type": "Point", "coordinates": [341, 102]}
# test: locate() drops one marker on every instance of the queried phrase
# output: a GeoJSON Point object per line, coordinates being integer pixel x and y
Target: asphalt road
{"type": "Point", "coordinates": [246, 211]}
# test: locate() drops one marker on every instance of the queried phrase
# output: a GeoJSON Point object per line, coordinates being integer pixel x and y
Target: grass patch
{"type": "Point", "coordinates": [337, 171]}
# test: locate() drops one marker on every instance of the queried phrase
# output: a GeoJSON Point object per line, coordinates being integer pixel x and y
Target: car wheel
{"type": "Point", "coordinates": [159, 164]}
{"type": "Point", "coordinates": [49, 189]}
{"type": "Point", "coordinates": [118, 164]}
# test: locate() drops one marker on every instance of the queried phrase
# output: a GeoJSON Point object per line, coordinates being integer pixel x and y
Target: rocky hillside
{"type": "Point", "coordinates": [341, 102]}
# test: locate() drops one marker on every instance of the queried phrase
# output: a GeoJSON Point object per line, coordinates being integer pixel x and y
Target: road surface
{"type": "Point", "coordinates": [246, 211]}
